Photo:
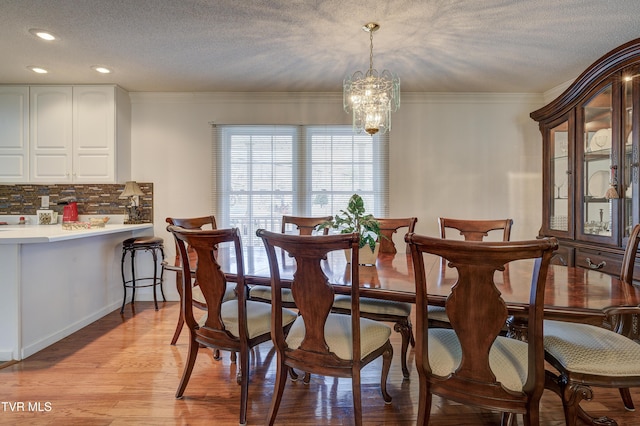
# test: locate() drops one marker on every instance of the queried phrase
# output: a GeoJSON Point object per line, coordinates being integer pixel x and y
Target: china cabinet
{"type": "Point", "coordinates": [590, 153]}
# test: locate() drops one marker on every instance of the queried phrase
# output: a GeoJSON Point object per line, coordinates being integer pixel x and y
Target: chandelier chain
{"type": "Point", "coordinates": [371, 53]}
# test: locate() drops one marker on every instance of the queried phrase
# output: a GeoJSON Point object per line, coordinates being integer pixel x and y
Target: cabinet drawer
{"type": "Point", "coordinates": [599, 261]}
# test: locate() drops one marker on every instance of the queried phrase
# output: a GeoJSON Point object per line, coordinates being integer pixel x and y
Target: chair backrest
{"type": "Point", "coordinates": [204, 222]}
{"type": "Point", "coordinates": [388, 227]}
{"type": "Point", "coordinates": [629, 258]}
{"type": "Point", "coordinates": [476, 230]}
{"type": "Point", "coordinates": [211, 280]}
{"type": "Point", "coordinates": [311, 290]}
{"type": "Point", "coordinates": [305, 225]}
{"type": "Point", "coordinates": [620, 321]}
{"type": "Point", "coordinates": [477, 325]}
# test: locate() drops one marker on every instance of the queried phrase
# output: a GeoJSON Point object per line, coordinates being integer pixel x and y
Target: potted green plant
{"type": "Point", "coordinates": [355, 219]}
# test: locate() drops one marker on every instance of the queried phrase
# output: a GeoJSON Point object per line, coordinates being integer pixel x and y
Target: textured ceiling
{"type": "Point", "coordinates": [310, 45]}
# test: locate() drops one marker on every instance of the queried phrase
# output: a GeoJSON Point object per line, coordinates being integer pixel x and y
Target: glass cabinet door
{"type": "Point", "coordinates": [630, 209]}
{"type": "Point", "coordinates": [560, 175]}
{"type": "Point", "coordinates": [599, 166]}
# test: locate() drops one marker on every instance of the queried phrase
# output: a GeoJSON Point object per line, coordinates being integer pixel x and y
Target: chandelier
{"type": "Point", "coordinates": [372, 97]}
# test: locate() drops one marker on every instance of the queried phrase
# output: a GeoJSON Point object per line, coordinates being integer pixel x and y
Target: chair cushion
{"type": "Point", "coordinates": [258, 317]}
{"type": "Point", "coordinates": [508, 358]}
{"type": "Point", "coordinates": [142, 242]}
{"type": "Point", "coordinates": [374, 306]}
{"type": "Point", "coordinates": [337, 333]}
{"type": "Point", "coordinates": [196, 293]}
{"type": "Point", "coordinates": [263, 292]}
{"type": "Point", "coordinates": [437, 313]}
{"type": "Point", "coordinates": [583, 348]}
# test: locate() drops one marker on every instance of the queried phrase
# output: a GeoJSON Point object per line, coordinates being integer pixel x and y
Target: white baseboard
{"type": "Point", "coordinates": [67, 331]}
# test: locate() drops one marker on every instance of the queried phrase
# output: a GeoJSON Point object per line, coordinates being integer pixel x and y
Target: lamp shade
{"type": "Point", "coordinates": [131, 189]}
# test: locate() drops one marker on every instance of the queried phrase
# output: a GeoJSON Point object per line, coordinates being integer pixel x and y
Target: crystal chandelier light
{"type": "Point", "coordinates": [372, 97]}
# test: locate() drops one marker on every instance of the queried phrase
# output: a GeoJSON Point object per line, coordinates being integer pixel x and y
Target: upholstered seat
{"type": "Point", "coordinates": [378, 306]}
{"type": "Point", "coordinates": [590, 350]}
{"type": "Point", "coordinates": [339, 336]}
{"type": "Point", "coordinates": [507, 357]}
{"type": "Point", "coordinates": [437, 314]}
{"type": "Point", "coordinates": [258, 318]}
{"type": "Point", "coordinates": [263, 293]}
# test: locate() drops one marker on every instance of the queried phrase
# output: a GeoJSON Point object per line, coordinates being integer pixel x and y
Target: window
{"type": "Point", "coordinates": [264, 172]}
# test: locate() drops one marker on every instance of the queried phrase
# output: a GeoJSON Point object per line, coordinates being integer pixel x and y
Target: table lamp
{"type": "Point", "coordinates": [132, 191]}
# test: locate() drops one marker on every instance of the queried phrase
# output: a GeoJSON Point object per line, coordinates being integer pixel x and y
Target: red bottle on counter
{"type": "Point", "coordinates": [70, 212]}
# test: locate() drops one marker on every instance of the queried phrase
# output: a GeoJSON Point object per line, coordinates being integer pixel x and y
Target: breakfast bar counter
{"type": "Point", "coordinates": [30, 234]}
{"type": "Point", "coordinates": [56, 281]}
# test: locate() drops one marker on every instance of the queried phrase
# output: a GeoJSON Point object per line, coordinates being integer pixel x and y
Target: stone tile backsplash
{"type": "Point", "coordinates": [92, 199]}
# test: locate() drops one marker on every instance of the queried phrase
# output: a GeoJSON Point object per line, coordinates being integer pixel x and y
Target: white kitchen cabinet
{"type": "Point", "coordinates": [94, 148]}
{"type": "Point", "coordinates": [79, 134]}
{"type": "Point", "coordinates": [14, 134]}
{"type": "Point", "coordinates": [50, 136]}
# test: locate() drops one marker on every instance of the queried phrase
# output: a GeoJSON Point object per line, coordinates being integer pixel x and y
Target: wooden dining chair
{"type": "Point", "coordinates": [302, 226]}
{"type": "Point", "coordinates": [398, 313]}
{"type": "Point", "coordinates": [236, 325]}
{"type": "Point", "coordinates": [476, 230]}
{"type": "Point", "coordinates": [203, 222]}
{"type": "Point", "coordinates": [389, 226]}
{"type": "Point", "coordinates": [319, 341]}
{"type": "Point", "coordinates": [471, 230]}
{"type": "Point", "coordinates": [586, 355]}
{"type": "Point", "coordinates": [471, 362]}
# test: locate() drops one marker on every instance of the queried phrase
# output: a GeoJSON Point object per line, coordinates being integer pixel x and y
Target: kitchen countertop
{"type": "Point", "coordinates": [76, 280]}
{"type": "Point", "coordinates": [29, 234]}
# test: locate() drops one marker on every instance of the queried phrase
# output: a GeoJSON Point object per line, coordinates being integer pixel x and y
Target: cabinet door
{"type": "Point", "coordinates": [630, 129]}
{"type": "Point", "coordinates": [14, 134]}
{"type": "Point", "coordinates": [559, 179]}
{"type": "Point", "coordinates": [599, 159]}
{"type": "Point", "coordinates": [50, 134]}
{"type": "Point", "coordinates": [94, 133]}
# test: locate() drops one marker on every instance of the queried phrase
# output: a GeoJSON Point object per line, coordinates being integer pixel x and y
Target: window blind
{"type": "Point", "coordinates": [264, 172]}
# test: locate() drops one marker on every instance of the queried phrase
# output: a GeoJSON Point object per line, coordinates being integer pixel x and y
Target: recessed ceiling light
{"type": "Point", "coordinates": [101, 69]}
{"type": "Point", "coordinates": [38, 70]}
{"type": "Point", "coordinates": [44, 35]}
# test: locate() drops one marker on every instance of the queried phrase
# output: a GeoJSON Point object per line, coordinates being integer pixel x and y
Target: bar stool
{"type": "Point", "coordinates": [149, 244]}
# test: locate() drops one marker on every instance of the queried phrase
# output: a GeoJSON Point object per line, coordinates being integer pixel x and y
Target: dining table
{"type": "Point", "coordinates": [571, 293]}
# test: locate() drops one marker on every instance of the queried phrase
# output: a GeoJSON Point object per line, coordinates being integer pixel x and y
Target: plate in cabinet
{"type": "Point", "coordinates": [600, 140]}
{"type": "Point", "coordinates": [598, 183]}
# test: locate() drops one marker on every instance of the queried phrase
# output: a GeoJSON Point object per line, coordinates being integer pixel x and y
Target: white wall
{"type": "Point", "coordinates": [456, 155]}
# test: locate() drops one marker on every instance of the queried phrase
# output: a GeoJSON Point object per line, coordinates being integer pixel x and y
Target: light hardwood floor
{"type": "Point", "coordinates": [121, 370]}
